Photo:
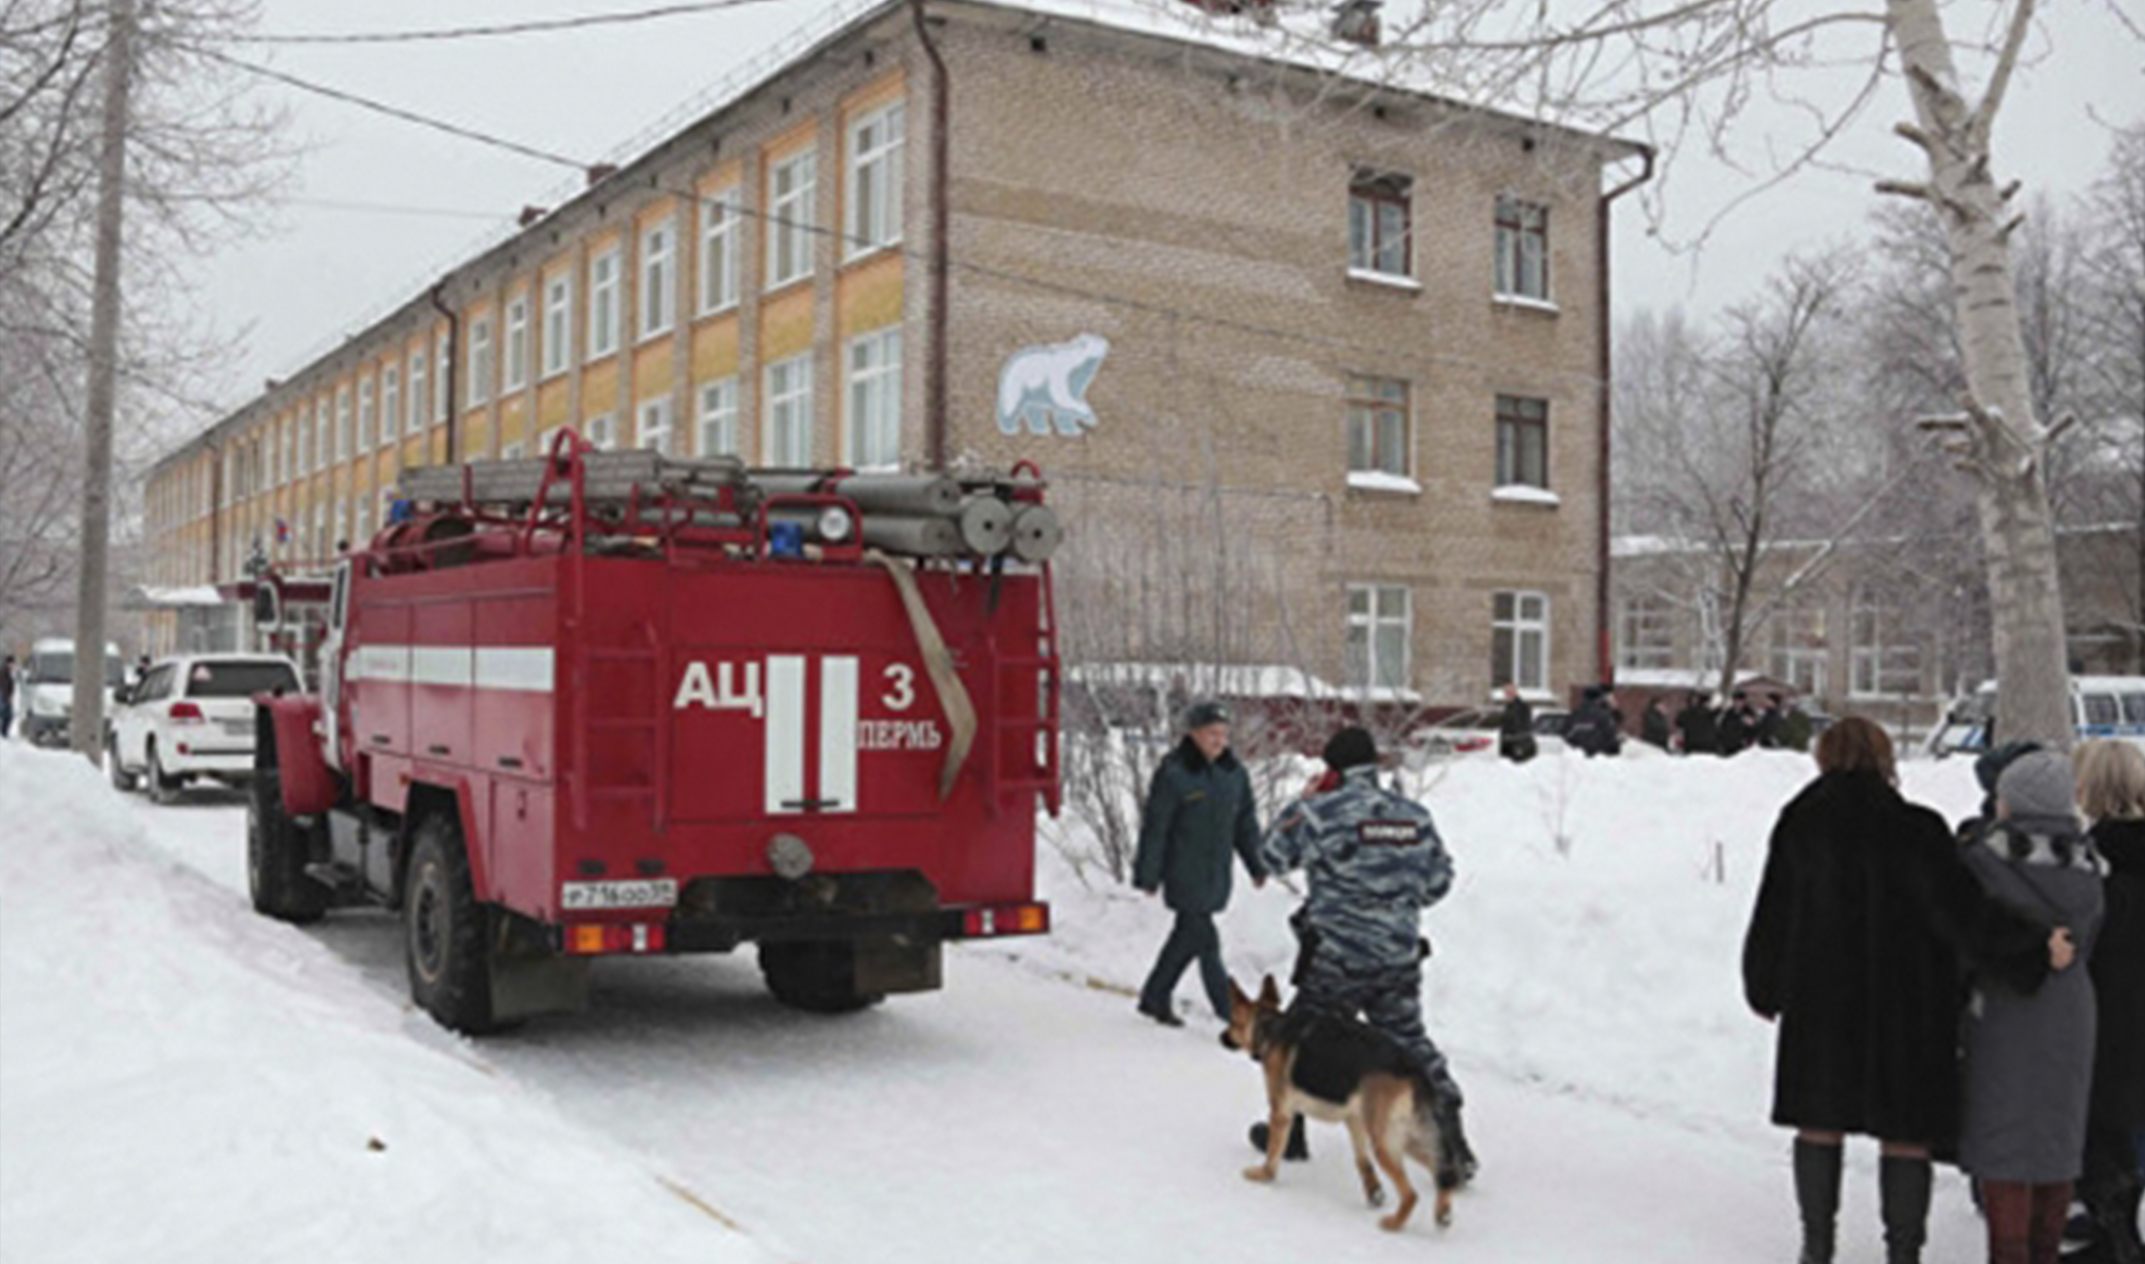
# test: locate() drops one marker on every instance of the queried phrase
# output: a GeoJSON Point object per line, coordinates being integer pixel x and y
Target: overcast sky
{"type": "Point", "coordinates": [380, 208]}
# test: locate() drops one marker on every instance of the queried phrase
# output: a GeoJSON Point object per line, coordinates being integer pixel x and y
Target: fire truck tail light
{"type": "Point", "coordinates": [185, 713]}
{"type": "Point", "coordinates": [1006, 919]}
{"type": "Point", "coordinates": [597, 939]}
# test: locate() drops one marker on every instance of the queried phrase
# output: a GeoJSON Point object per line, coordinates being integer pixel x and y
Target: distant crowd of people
{"type": "Point", "coordinates": [1774, 722]}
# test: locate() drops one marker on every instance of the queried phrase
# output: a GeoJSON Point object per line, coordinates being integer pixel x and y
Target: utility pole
{"type": "Point", "coordinates": [87, 724]}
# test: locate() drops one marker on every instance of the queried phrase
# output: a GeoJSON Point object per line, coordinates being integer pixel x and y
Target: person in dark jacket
{"type": "Point", "coordinates": [2111, 791]}
{"type": "Point", "coordinates": [1199, 810]}
{"type": "Point", "coordinates": [1697, 726]}
{"type": "Point", "coordinates": [1653, 724]}
{"type": "Point", "coordinates": [1796, 727]}
{"type": "Point", "coordinates": [2029, 1053]}
{"type": "Point", "coordinates": [1863, 919]}
{"type": "Point", "coordinates": [7, 695]}
{"type": "Point", "coordinates": [1769, 730]}
{"type": "Point", "coordinates": [1596, 725]}
{"type": "Point", "coordinates": [1738, 724]}
{"type": "Point", "coordinates": [1515, 729]}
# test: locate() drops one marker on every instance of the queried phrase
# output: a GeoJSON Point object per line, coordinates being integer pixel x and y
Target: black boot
{"type": "Point", "coordinates": [2113, 1204]}
{"type": "Point", "coordinates": [1456, 1159]}
{"type": "Point", "coordinates": [1903, 1193]}
{"type": "Point", "coordinates": [1817, 1194]}
{"type": "Point", "coordinates": [1296, 1151]}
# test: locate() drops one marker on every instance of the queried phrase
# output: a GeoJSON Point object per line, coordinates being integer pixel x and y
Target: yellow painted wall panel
{"type": "Point", "coordinates": [652, 369]}
{"type": "Point", "coordinates": [656, 212]}
{"type": "Point", "coordinates": [551, 401]}
{"type": "Point", "coordinates": [413, 453]}
{"type": "Point", "coordinates": [513, 420]}
{"type": "Point", "coordinates": [599, 390]}
{"type": "Point", "coordinates": [715, 349]}
{"type": "Point", "coordinates": [799, 137]}
{"type": "Point", "coordinates": [786, 324]}
{"type": "Point", "coordinates": [722, 177]}
{"type": "Point", "coordinates": [871, 96]}
{"type": "Point", "coordinates": [476, 438]}
{"type": "Point", "coordinates": [868, 296]}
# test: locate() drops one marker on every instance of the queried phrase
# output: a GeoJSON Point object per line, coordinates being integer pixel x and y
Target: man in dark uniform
{"type": "Point", "coordinates": [1199, 810]}
{"type": "Point", "coordinates": [1375, 862]}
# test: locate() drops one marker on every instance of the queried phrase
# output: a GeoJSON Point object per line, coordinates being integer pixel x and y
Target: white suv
{"type": "Point", "coordinates": [191, 717]}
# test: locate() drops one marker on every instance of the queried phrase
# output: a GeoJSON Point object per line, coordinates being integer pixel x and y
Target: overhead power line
{"type": "Point", "coordinates": [537, 26]}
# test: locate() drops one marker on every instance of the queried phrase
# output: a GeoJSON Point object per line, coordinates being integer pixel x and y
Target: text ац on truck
{"type": "Point", "coordinates": [600, 703]}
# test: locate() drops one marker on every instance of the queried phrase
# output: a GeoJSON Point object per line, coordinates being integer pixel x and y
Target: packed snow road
{"type": "Point", "coordinates": [1019, 1114]}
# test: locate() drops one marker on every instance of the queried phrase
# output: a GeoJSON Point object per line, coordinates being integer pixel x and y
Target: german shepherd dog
{"type": "Point", "coordinates": [1341, 1069]}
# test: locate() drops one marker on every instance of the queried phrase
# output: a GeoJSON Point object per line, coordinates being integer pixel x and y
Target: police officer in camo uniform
{"type": "Point", "coordinates": [1375, 862]}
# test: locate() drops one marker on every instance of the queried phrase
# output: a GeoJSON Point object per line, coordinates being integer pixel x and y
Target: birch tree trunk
{"type": "Point", "coordinates": [1999, 439]}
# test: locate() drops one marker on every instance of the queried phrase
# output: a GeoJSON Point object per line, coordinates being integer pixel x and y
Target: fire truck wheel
{"type": "Point", "coordinates": [122, 780]}
{"type": "Point", "coordinates": [817, 976]}
{"type": "Point", "coordinates": [443, 931]}
{"type": "Point", "coordinates": [276, 857]}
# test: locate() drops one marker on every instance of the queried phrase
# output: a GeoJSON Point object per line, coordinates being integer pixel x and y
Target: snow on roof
{"type": "Point", "coordinates": [1677, 677]}
{"type": "Point", "coordinates": [194, 595]}
{"type": "Point", "coordinates": [1233, 680]}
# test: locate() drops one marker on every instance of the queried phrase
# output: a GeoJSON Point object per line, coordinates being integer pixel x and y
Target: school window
{"type": "Point", "coordinates": [1378, 211]}
{"type": "Point", "coordinates": [603, 304]}
{"type": "Point", "coordinates": [365, 414]}
{"type": "Point", "coordinates": [1799, 651]}
{"type": "Point", "coordinates": [659, 288]}
{"type": "Point", "coordinates": [343, 424]}
{"type": "Point", "coordinates": [718, 419]}
{"type": "Point", "coordinates": [601, 432]}
{"type": "Point", "coordinates": [1522, 442]}
{"type": "Point", "coordinates": [441, 374]}
{"type": "Point", "coordinates": [1377, 426]}
{"type": "Point", "coordinates": [872, 436]}
{"type": "Point", "coordinates": [480, 360]}
{"type": "Point", "coordinates": [875, 143]}
{"type": "Point", "coordinates": [1379, 617]}
{"type": "Point", "coordinates": [1646, 633]}
{"type": "Point", "coordinates": [1881, 662]}
{"type": "Point", "coordinates": [558, 324]}
{"type": "Point", "coordinates": [655, 425]}
{"type": "Point", "coordinates": [790, 215]}
{"type": "Point", "coordinates": [420, 398]}
{"type": "Point", "coordinates": [1519, 641]}
{"type": "Point", "coordinates": [517, 344]}
{"type": "Point", "coordinates": [1522, 249]}
{"type": "Point", "coordinates": [789, 413]}
{"type": "Point", "coordinates": [390, 405]}
{"type": "Point", "coordinates": [317, 446]}
{"type": "Point", "coordinates": [719, 229]}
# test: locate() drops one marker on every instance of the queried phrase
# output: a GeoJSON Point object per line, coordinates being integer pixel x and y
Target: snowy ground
{"type": "Point", "coordinates": [219, 1076]}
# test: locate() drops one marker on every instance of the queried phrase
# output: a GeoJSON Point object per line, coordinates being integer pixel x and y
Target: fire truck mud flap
{"type": "Point", "coordinates": [528, 977]}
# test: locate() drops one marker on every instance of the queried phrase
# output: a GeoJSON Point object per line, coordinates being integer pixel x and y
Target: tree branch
{"type": "Point", "coordinates": [1984, 116]}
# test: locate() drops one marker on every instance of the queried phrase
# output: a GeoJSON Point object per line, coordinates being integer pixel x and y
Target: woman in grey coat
{"type": "Point", "coordinates": [2029, 1059]}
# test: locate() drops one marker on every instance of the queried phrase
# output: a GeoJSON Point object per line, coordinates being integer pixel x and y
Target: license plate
{"type": "Point", "coordinates": [238, 728]}
{"type": "Point", "coordinates": [645, 893]}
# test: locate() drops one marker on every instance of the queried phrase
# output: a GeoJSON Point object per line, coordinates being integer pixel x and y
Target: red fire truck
{"type": "Point", "coordinates": [598, 704]}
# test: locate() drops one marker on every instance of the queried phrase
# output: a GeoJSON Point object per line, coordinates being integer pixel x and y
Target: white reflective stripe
{"type": "Point", "coordinates": [838, 734]}
{"type": "Point", "coordinates": [443, 665]}
{"type": "Point", "coordinates": [380, 662]}
{"type": "Point", "coordinates": [523, 669]}
{"type": "Point", "coordinates": [785, 734]}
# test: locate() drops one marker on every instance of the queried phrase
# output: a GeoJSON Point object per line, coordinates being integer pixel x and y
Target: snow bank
{"type": "Point", "coordinates": [183, 1080]}
{"type": "Point", "coordinates": [1592, 941]}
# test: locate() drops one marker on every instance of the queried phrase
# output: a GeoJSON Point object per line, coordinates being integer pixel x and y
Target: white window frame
{"type": "Point", "coordinates": [658, 313]}
{"type": "Point", "coordinates": [558, 324]}
{"type": "Point", "coordinates": [1368, 246]}
{"type": "Point", "coordinates": [1871, 653]}
{"type": "Point", "coordinates": [1520, 624]}
{"type": "Point", "coordinates": [716, 431]}
{"type": "Point", "coordinates": [390, 405]}
{"type": "Point", "coordinates": [601, 431]}
{"type": "Point", "coordinates": [720, 230]}
{"type": "Point", "coordinates": [323, 445]}
{"type": "Point", "coordinates": [516, 375]}
{"type": "Point", "coordinates": [603, 303]}
{"type": "Point", "coordinates": [367, 397]}
{"type": "Point", "coordinates": [655, 431]}
{"type": "Point", "coordinates": [287, 450]}
{"type": "Point", "coordinates": [511, 452]}
{"type": "Point", "coordinates": [871, 400]}
{"type": "Point", "coordinates": [1511, 254]}
{"type": "Point", "coordinates": [787, 413]}
{"type": "Point", "coordinates": [874, 212]}
{"type": "Point", "coordinates": [792, 213]}
{"type": "Point", "coordinates": [1645, 632]}
{"type": "Point", "coordinates": [480, 361]}
{"type": "Point", "coordinates": [420, 394]}
{"type": "Point", "coordinates": [345, 424]}
{"type": "Point", "coordinates": [1370, 621]}
{"type": "Point", "coordinates": [1361, 396]}
{"type": "Point", "coordinates": [442, 371]}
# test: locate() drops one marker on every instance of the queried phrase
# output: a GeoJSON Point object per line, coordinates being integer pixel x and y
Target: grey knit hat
{"type": "Point", "coordinates": [2040, 784]}
{"type": "Point", "coordinates": [1204, 712]}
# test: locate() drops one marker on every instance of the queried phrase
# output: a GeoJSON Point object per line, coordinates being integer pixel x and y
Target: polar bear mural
{"type": "Point", "coordinates": [1047, 386]}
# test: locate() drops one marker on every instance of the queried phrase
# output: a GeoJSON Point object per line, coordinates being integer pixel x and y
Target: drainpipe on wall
{"type": "Point", "coordinates": [454, 355]}
{"type": "Point", "coordinates": [1604, 642]}
{"type": "Point", "coordinates": [935, 299]}
{"type": "Point", "coordinates": [215, 512]}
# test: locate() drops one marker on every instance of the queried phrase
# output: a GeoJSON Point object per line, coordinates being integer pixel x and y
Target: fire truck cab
{"type": "Point", "coordinates": [599, 704]}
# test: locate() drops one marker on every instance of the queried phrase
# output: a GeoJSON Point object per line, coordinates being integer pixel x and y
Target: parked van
{"type": "Point", "coordinates": [2101, 706]}
{"type": "Point", "coordinates": [45, 696]}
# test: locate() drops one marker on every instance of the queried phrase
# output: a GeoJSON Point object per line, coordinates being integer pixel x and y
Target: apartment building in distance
{"type": "Point", "coordinates": [1315, 365]}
